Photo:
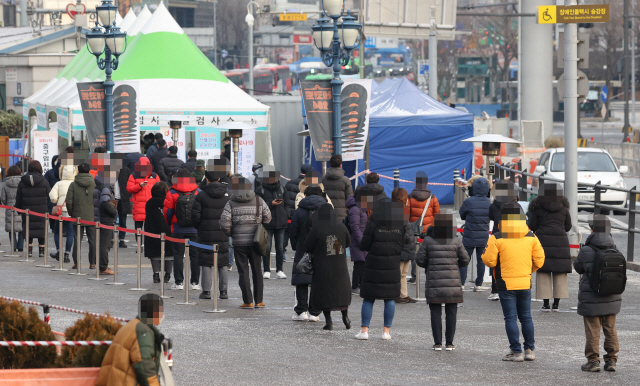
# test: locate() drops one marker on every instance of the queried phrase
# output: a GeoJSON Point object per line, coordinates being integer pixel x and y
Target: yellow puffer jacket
{"type": "Point", "coordinates": [516, 253]}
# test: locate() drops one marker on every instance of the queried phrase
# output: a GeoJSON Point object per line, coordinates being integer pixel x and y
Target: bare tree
{"type": "Point", "coordinates": [232, 29]}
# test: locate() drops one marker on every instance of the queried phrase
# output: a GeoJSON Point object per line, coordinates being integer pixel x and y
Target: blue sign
{"type": "Point", "coordinates": [424, 69]}
{"type": "Point", "coordinates": [371, 42]}
{"type": "Point", "coordinates": [604, 94]}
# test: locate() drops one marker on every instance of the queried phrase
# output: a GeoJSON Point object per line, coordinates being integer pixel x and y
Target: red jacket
{"type": "Point", "coordinates": [140, 195]}
{"type": "Point", "coordinates": [170, 201]}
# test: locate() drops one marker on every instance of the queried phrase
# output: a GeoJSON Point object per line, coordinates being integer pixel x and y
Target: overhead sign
{"type": "Point", "coordinates": [552, 14]}
{"type": "Point", "coordinates": [293, 17]}
{"type": "Point", "coordinates": [302, 39]}
{"type": "Point", "coordinates": [75, 9]}
{"type": "Point", "coordinates": [604, 94]}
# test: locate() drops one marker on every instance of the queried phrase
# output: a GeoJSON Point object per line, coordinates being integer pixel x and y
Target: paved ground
{"type": "Point", "coordinates": [266, 347]}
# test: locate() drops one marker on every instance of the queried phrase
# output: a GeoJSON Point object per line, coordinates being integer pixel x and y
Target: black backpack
{"type": "Point", "coordinates": [183, 208]}
{"type": "Point", "coordinates": [609, 273]}
{"type": "Point", "coordinates": [346, 223]}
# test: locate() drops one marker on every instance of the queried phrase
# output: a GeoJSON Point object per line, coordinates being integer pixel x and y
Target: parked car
{"type": "Point", "coordinates": [593, 165]}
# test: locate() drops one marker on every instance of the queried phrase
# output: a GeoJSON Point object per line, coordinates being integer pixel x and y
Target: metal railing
{"type": "Point", "coordinates": [598, 206]}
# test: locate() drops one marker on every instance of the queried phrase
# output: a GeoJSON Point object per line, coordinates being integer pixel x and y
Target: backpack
{"type": "Point", "coordinates": [609, 273]}
{"type": "Point", "coordinates": [183, 208]}
{"type": "Point", "coordinates": [346, 223]}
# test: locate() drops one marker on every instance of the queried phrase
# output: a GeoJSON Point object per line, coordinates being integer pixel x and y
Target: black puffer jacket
{"type": "Point", "coordinates": [590, 303]}
{"type": "Point", "coordinates": [125, 197]}
{"type": "Point", "coordinates": [52, 176]}
{"type": "Point", "coordinates": [156, 223]}
{"type": "Point", "coordinates": [291, 191]}
{"type": "Point", "coordinates": [156, 157]}
{"type": "Point", "coordinates": [190, 165]}
{"type": "Point", "coordinates": [338, 188]}
{"type": "Point", "coordinates": [377, 189]}
{"type": "Point", "coordinates": [298, 234]}
{"type": "Point", "coordinates": [550, 219]}
{"type": "Point", "coordinates": [475, 212]}
{"type": "Point", "coordinates": [33, 194]}
{"type": "Point", "coordinates": [108, 213]}
{"type": "Point", "coordinates": [442, 263]}
{"type": "Point", "coordinates": [495, 211]}
{"type": "Point", "coordinates": [270, 192]}
{"type": "Point", "coordinates": [205, 214]}
{"type": "Point", "coordinates": [167, 165]}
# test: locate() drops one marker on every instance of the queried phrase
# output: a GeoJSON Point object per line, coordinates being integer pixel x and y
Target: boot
{"type": "Point", "coordinates": [55, 256]}
{"type": "Point", "coordinates": [122, 244]}
{"type": "Point", "coordinates": [223, 295]}
{"type": "Point", "coordinates": [346, 320]}
{"type": "Point", "coordinates": [41, 251]}
{"type": "Point", "coordinates": [66, 258]}
{"type": "Point", "coordinates": [328, 322]}
{"type": "Point", "coordinates": [156, 277]}
{"type": "Point", "coordinates": [167, 277]}
{"type": "Point", "coordinates": [205, 295]}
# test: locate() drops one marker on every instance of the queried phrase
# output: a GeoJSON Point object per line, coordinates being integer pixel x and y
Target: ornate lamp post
{"type": "Point", "coordinates": [327, 38]}
{"type": "Point", "coordinates": [106, 38]}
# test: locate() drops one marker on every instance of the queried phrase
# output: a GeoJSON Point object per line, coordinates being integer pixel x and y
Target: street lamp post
{"type": "Point", "coordinates": [250, 20]}
{"type": "Point", "coordinates": [327, 39]}
{"type": "Point", "coordinates": [106, 38]}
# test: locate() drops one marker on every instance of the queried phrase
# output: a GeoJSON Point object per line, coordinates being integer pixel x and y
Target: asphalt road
{"type": "Point", "coordinates": [243, 347]}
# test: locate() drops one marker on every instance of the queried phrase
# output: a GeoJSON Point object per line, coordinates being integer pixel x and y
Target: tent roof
{"type": "Point", "coordinates": [398, 98]}
{"type": "Point", "coordinates": [141, 20]}
{"type": "Point", "coordinates": [128, 20]}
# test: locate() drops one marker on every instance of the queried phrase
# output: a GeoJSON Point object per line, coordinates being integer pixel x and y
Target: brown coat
{"type": "Point", "coordinates": [417, 200]}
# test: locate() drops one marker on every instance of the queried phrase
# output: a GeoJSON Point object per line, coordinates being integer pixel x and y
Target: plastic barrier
{"type": "Point", "coordinates": [32, 343]}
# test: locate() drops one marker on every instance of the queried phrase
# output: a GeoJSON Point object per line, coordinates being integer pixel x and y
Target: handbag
{"type": "Point", "coordinates": [304, 265]}
{"type": "Point", "coordinates": [417, 226]}
{"type": "Point", "coordinates": [57, 210]}
{"type": "Point", "coordinates": [165, 377]}
{"type": "Point", "coordinates": [260, 237]}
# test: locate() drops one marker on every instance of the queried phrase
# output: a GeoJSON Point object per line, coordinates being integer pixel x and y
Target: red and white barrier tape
{"type": "Point", "coordinates": [61, 308]}
{"type": "Point", "coordinates": [44, 343]}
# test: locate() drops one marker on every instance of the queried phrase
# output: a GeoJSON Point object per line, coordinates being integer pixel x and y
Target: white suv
{"type": "Point", "coordinates": [593, 165]}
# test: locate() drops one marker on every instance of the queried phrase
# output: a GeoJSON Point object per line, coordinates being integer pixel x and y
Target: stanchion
{"type": "Point", "coordinates": [46, 242]}
{"type": "Point", "coordinates": [418, 294]}
{"type": "Point", "coordinates": [97, 248]}
{"type": "Point", "coordinates": [139, 273]}
{"type": "Point", "coordinates": [46, 314]}
{"type": "Point", "coordinates": [26, 238]}
{"type": "Point", "coordinates": [115, 257]}
{"type": "Point", "coordinates": [78, 239]}
{"type": "Point", "coordinates": [13, 235]}
{"type": "Point", "coordinates": [60, 254]}
{"type": "Point", "coordinates": [162, 295]}
{"type": "Point", "coordinates": [214, 290]}
{"type": "Point", "coordinates": [187, 272]}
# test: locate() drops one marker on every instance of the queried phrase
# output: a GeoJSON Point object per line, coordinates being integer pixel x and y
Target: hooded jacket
{"type": "Point", "coordinates": [590, 303]}
{"type": "Point", "coordinates": [298, 234]}
{"type": "Point", "coordinates": [338, 188]}
{"type": "Point", "coordinates": [377, 189]}
{"type": "Point", "coordinates": [8, 197]}
{"type": "Point", "coordinates": [292, 188]}
{"type": "Point", "coordinates": [550, 219]}
{"type": "Point", "coordinates": [417, 200]}
{"type": "Point", "coordinates": [255, 179]}
{"type": "Point", "coordinates": [198, 175]}
{"type": "Point", "coordinates": [495, 212]}
{"type": "Point", "coordinates": [156, 223]}
{"type": "Point", "coordinates": [140, 195]}
{"type": "Point", "coordinates": [475, 211]}
{"type": "Point", "coordinates": [167, 165]}
{"type": "Point", "coordinates": [206, 213]}
{"type": "Point", "coordinates": [442, 263]}
{"type": "Point", "coordinates": [240, 217]}
{"type": "Point", "coordinates": [358, 222]}
{"type": "Point", "coordinates": [270, 192]}
{"type": "Point", "coordinates": [33, 194]}
{"type": "Point", "coordinates": [515, 255]}
{"type": "Point", "coordinates": [171, 201]}
{"type": "Point", "coordinates": [302, 186]}
{"type": "Point", "coordinates": [79, 198]}
{"type": "Point", "coordinates": [59, 191]}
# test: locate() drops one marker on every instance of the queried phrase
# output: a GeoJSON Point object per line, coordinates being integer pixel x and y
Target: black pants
{"type": "Point", "coordinates": [139, 225]}
{"type": "Point", "coordinates": [413, 269]}
{"type": "Point", "coordinates": [358, 270]}
{"type": "Point", "coordinates": [245, 256]}
{"type": "Point", "coordinates": [91, 237]}
{"type": "Point", "coordinates": [178, 259]}
{"type": "Point", "coordinates": [302, 301]}
{"type": "Point", "coordinates": [106, 242]}
{"type": "Point", "coordinates": [451, 310]}
{"type": "Point", "coordinates": [40, 241]}
{"type": "Point", "coordinates": [122, 220]}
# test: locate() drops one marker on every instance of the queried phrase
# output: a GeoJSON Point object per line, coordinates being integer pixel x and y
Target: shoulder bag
{"type": "Point", "coordinates": [416, 226]}
{"type": "Point", "coordinates": [260, 237]}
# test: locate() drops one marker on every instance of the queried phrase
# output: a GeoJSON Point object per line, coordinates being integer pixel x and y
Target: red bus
{"type": "Point", "coordinates": [263, 81]}
{"type": "Point", "coordinates": [282, 76]}
{"type": "Point", "coordinates": [235, 77]}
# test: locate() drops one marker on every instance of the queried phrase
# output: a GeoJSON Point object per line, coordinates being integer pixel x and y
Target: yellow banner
{"type": "Point", "coordinates": [293, 17]}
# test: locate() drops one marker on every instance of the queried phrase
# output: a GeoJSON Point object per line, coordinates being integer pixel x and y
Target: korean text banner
{"type": "Point", "coordinates": [208, 142]}
{"type": "Point", "coordinates": [356, 102]}
{"type": "Point", "coordinates": [317, 99]}
{"type": "Point", "coordinates": [45, 146]}
{"type": "Point", "coordinates": [94, 111]}
{"type": "Point", "coordinates": [246, 153]}
{"type": "Point", "coordinates": [126, 131]}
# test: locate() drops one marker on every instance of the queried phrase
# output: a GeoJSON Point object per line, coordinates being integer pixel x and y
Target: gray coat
{"type": "Point", "coordinates": [8, 197]}
{"type": "Point", "coordinates": [442, 263]}
{"type": "Point", "coordinates": [240, 220]}
{"type": "Point", "coordinates": [338, 188]}
{"type": "Point", "coordinates": [590, 303]}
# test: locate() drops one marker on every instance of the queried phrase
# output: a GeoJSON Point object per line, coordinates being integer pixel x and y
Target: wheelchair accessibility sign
{"type": "Point", "coordinates": [547, 14]}
{"type": "Point", "coordinates": [593, 13]}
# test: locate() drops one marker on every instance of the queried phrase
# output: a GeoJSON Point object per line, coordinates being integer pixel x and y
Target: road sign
{"type": "Point", "coordinates": [604, 94]}
{"type": "Point", "coordinates": [293, 17]}
{"type": "Point", "coordinates": [603, 111]}
{"type": "Point", "coordinates": [552, 14]}
{"type": "Point", "coordinates": [583, 85]}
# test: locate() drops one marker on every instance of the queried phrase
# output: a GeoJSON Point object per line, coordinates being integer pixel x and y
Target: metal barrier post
{"type": "Point", "coordinates": [596, 199]}
{"type": "Point", "coordinates": [522, 195]}
{"type": "Point", "coordinates": [187, 272]}
{"type": "Point", "coordinates": [396, 178]}
{"type": "Point", "coordinates": [26, 238]}
{"type": "Point", "coordinates": [78, 239]}
{"type": "Point", "coordinates": [162, 295]}
{"type": "Point", "coordinates": [632, 223]}
{"type": "Point", "coordinates": [13, 236]}
{"type": "Point", "coordinates": [97, 253]}
{"type": "Point", "coordinates": [139, 273]}
{"type": "Point", "coordinates": [60, 254]}
{"type": "Point", "coordinates": [418, 294]}
{"type": "Point", "coordinates": [214, 290]}
{"type": "Point", "coordinates": [46, 242]}
{"type": "Point", "coordinates": [115, 257]}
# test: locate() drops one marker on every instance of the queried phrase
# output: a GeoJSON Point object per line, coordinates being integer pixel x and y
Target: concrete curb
{"type": "Point", "coordinates": [634, 266]}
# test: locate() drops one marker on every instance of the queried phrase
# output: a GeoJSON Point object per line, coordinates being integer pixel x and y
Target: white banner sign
{"type": "Point", "coordinates": [41, 115]}
{"type": "Point", "coordinates": [246, 153]}
{"type": "Point", "coordinates": [45, 146]}
{"type": "Point", "coordinates": [356, 102]}
{"type": "Point", "coordinates": [167, 133]}
{"type": "Point", "coordinates": [63, 122]}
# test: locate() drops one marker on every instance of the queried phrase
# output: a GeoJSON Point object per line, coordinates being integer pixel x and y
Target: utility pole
{"type": "Point", "coordinates": [625, 72]}
{"type": "Point", "coordinates": [633, 64]}
{"type": "Point", "coordinates": [433, 57]}
{"type": "Point", "coordinates": [215, 34]}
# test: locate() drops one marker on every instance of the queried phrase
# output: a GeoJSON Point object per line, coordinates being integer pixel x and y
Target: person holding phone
{"type": "Point", "coordinates": [139, 185]}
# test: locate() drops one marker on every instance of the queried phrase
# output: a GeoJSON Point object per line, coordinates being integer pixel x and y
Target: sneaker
{"type": "Point", "coordinates": [156, 277]}
{"type": "Point", "coordinates": [480, 288]}
{"type": "Point", "coordinates": [593, 366]}
{"type": "Point", "coordinates": [401, 300]}
{"type": "Point", "coordinates": [223, 295]}
{"type": "Point", "coordinates": [437, 347]}
{"type": "Point", "coordinates": [555, 307]}
{"type": "Point", "coordinates": [177, 286]}
{"type": "Point", "coordinates": [167, 277]}
{"type": "Point", "coordinates": [610, 365]}
{"type": "Point", "coordinates": [122, 244]}
{"type": "Point", "coordinates": [267, 275]}
{"type": "Point", "coordinates": [195, 287]}
{"type": "Point", "coordinates": [300, 317]}
{"type": "Point", "coordinates": [386, 336]}
{"type": "Point", "coordinates": [529, 355]}
{"type": "Point", "coordinates": [107, 271]}
{"type": "Point", "coordinates": [246, 306]}
{"type": "Point", "coordinates": [260, 305]}
{"type": "Point", "coordinates": [92, 266]}
{"type": "Point", "coordinates": [514, 357]}
{"type": "Point", "coordinates": [362, 336]}
{"type": "Point", "coordinates": [411, 281]}
{"type": "Point", "coordinates": [494, 297]}
{"type": "Point", "coordinates": [409, 299]}
{"type": "Point", "coordinates": [230, 268]}
{"type": "Point", "coordinates": [355, 291]}
{"type": "Point", "coordinates": [314, 318]}
{"type": "Point", "coordinates": [281, 275]}
{"type": "Point", "coordinates": [462, 286]}
{"type": "Point", "coordinates": [205, 295]}
{"type": "Point", "coordinates": [66, 258]}
{"type": "Point", "coordinates": [545, 308]}
{"type": "Point", "coordinates": [55, 255]}
{"type": "Point", "coordinates": [450, 347]}
{"type": "Point", "coordinates": [74, 267]}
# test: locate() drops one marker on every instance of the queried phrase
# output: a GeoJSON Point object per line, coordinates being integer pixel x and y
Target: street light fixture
{"type": "Point", "coordinates": [105, 38]}
{"type": "Point", "coordinates": [327, 39]}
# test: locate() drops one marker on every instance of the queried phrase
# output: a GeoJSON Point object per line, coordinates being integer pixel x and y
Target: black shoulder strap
{"type": "Point", "coordinates": [257, 208]}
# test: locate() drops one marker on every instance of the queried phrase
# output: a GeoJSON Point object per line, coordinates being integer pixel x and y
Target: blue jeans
{"type": "Point", "coordinates": [517, 305]}
{"type": "Point", "coordinates": [479, 264]}
{"type": "Point", "coordinates": [230, 252]}
{"type": "Point", "coordinates": [18, 240]}
{"type": "Point", "coordinates": [56, 235]}
{"type": "Point", "coordinates": [367, 311]}
{"type": "Point", "coordinates": [278, 236]}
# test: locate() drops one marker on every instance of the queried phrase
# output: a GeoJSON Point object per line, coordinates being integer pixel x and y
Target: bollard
{"type": "Point", "coordinates": [418, 294]}
{"type": "Point", "coordinates": [60, 254]}
{"type": "Point", "coordinates": [12, 236]}
{"type": "Point", "coordinates": [46, 314]}
{"type": "Point", "coordinates": [25, 226]}
{"type": "Point", "coordinates": [46, 243]}
{"type": "Point", "coordinates": [396, 178]}
{"type": "Point", "coordinates": [214, 290]}
{"type": "Point", "coordinates": [115, 258]}
{"type": "Point", "coordinates": [97, 238]}
{"type": "Point", "coordinates": [139, 274]}
{"type": "Point", "coordinates": [187, 272]}
{"type": "Point", "coordinates": [78, 239]}
{"type": "Point", "coordinates": [162, 295]}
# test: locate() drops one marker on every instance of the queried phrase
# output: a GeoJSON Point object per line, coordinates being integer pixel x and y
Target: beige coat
{"type": "Point", "coordinates": [302, 186]}
{"type": "Point", "coordinates": [58, 193]}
